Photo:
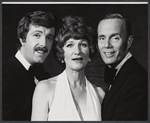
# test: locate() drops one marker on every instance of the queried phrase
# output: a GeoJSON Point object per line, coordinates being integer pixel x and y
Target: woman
{"type": "Point", "coordinates": [70, 96]}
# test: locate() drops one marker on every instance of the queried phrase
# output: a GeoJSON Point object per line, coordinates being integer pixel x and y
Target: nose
{"type": "Point", "coordinates": [107, 44]}
{"type": "Point", "coordinates": [77, 49]}
{"type": "Point", "coordinates": [43, 41]}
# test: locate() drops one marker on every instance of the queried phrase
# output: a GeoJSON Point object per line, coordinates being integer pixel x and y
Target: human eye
{"type": "Point", "coordinates": [49, 38]}
{"type": "Point", "coordinates": [69, 45]}
{"type": "Point", "coordinates": [101, 38]}
{"type": "Point", "coordinates": [115, 38]}
{"type": "Point", "coordinates": [84, 44]}
{"type": "Point", "coordinates": [37, 35]}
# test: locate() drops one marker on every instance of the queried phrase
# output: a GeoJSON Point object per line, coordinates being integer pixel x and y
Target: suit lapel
{"type": "Point", "coordinates": [119, 80]}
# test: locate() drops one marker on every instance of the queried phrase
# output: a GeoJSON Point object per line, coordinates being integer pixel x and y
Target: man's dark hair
{"type": "Point", "coordinates": [36, 18]}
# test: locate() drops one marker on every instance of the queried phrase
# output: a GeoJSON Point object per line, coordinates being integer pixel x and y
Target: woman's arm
{"type": "Point", "coordinates": [40, 101]}
{"type": "Point", "coordinates": [101, 93]}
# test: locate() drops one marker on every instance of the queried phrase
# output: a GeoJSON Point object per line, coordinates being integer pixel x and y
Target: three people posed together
{"type": "Point", "coordinates": [29, 93]}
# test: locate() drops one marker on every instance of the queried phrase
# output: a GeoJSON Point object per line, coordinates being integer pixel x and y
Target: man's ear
{"type": "Point", "coordinates": [129, 41]}
{"type": "Point", "coordinates": [21, 41]}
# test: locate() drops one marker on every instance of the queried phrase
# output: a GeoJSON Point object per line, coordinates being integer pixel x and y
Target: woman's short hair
{"type": "Point", "coordinates": [37, 18]}
{"type": "Point", "coordinates": [77, 28]}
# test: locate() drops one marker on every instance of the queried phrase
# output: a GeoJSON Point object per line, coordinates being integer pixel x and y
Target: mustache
{"type": "Point", "coordinates": [44, 49]}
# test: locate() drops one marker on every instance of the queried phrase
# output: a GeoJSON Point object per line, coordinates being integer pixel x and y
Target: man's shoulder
{"type": "Point", "coordinates": [132, 66]}
{"type": "Point", "coordinates": [137, 68]}
{"type": "Point", "coordinates": [12, 65]}
{"type": "Point", "coordinates": [136, 76]}
{"type": "Point", "coordinates": [13, 70]}
{"type": "Point", "coordinates": [133, 74]}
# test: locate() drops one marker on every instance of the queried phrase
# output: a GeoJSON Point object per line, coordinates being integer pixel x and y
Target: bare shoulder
{"type": "Point", "coordinates": [48, 84]}
{"type": "Point", "coordinates": [46, 88]}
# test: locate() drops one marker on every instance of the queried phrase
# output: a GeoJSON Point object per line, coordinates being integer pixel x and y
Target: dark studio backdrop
{"type": "Point", "coordinates": [137, 14]}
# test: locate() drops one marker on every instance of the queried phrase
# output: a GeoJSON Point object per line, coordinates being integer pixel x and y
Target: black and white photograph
{"type": "Point", "coordinates": [74, 61]}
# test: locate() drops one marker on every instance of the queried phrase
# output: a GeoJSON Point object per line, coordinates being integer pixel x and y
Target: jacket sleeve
{"type": "Point", "coordinates": [8, 104]}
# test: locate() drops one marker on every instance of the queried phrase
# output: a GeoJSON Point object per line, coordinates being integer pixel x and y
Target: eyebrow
{"type": "Point", "coordinates": [81, 40]}
{"type": "Point", "coordinates": [50, 35]}
{"type": "Point", "coordinates": [114, 35]}
{"type": "Point", "coordinates": [101, 36]}
{"type": "Point", "coordinates": [37, 31]}
{"type": "Point", "coordinates": [110, 35]}
{"type": "Point", "coordinates": [84, 40]}
{"type": "Point", "coordinates": [69, 42]}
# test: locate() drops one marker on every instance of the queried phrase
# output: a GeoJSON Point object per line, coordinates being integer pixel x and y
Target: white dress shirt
{"type": "Point", "coordinates": [118, 67]}
{"type": "Point", "coordinates": [24, 62]}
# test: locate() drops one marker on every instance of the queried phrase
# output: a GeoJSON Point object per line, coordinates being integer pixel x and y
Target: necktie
{"type": "Point", "coordinates": [109, 75]}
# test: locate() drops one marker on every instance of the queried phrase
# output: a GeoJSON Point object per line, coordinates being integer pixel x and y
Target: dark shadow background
{"type": "Point", "coordinates": [137, 14]}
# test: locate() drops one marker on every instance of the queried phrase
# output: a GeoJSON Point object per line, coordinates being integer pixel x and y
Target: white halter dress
{"type": "Point", "coordinates": [63, 107]}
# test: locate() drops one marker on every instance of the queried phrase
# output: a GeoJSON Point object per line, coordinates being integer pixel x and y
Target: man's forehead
{"type": "Point", "coordinates": [111, 24]}
{"type": "Point", "coordinates": [40, 28]}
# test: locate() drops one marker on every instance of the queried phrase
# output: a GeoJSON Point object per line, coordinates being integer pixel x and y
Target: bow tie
{"type": "Point", "coordinates": [109, 75]}
{"type": "Point", "coordinates": [38, 72]}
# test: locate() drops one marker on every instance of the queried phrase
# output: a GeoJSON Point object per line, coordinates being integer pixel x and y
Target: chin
{"type": "Point", "coordinates": [78, 68]}
{"type": "Point", "coordinates": [40, 61]}
{"type": "Point", "coordinates": [109, 61]}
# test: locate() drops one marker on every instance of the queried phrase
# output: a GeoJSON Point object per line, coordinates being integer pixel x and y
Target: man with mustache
{"type": "Point", "coordinates": [22, 72]}
{"type": "Point", "coordinates": [127, 94]}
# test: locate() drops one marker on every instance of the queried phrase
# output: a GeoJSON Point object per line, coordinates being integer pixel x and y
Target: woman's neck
{"type": "Point", "coordinates": [76, 78]}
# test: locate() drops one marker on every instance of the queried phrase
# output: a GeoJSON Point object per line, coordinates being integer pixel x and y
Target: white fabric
{"type": "Point", "coordinates": [118, 67]}
{"type": "Point", "coordinates": [23, 61]}
{"type": "Point", "coordinates": [63, 107]}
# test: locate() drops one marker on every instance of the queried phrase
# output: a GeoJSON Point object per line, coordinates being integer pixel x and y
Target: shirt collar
{"type": "Point", "coordinates": [118, 67]}
{"type": "Point", "coordinates": [23, 61]}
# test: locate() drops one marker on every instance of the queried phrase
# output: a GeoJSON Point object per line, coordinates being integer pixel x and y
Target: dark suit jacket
{"type": "Point", "coordinates": [17, 90]}
{"type": "Point", "coordinates": [128, 97]}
